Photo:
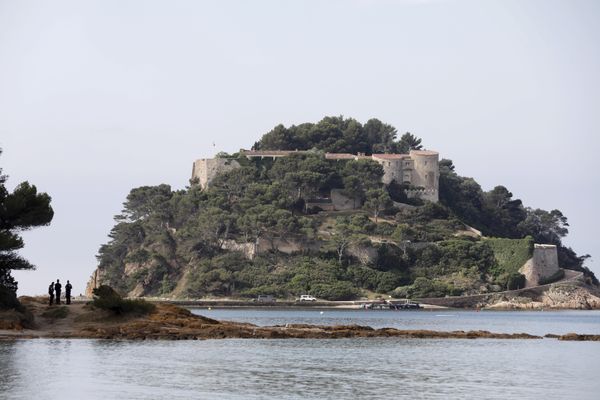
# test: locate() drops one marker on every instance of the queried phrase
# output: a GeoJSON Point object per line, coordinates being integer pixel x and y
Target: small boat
{"type": "Point", "coordinates": [390, 305]}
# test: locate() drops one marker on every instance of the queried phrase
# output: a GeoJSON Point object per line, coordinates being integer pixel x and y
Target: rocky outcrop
{"type": "Point", "coordinates": [579, 338]}
{"type": "Point", "coordinates": [559, 296]}
{"type": "Point", "coordinates": [169, 322]}
{"type": "Point", "coordinates": [570, 297]}
{"type": "Point", "coordinates": [365, 254]}
{"type": "Point", "coordinates": [572, 293]}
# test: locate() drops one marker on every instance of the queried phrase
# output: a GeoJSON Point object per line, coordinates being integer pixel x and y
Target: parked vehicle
{"type": "Point", "coordinates": [265, 298]}
{"type": "Point", "coordinates": [307, 297]}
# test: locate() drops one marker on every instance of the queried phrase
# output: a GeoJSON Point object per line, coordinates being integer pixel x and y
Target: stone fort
{"type": "Point", "coordinates": [419, 169]}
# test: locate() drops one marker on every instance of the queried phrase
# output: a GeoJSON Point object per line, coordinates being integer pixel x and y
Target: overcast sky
{"type": "Point", "coordinates": [98, 97]}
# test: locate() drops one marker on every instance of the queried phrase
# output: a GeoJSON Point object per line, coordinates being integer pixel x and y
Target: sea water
{"type": "Point", "coordinates": [373, 368]}
{"type": "Point", "coordinates": [533, 322]}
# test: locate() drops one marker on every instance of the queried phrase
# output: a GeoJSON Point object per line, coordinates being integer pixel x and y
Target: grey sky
{"type": "Point", "coordinates": [98, 97]}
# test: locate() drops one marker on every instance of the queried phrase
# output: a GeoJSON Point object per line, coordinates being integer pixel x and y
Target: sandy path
{"type": "Point", "coordinates": [48, 327]}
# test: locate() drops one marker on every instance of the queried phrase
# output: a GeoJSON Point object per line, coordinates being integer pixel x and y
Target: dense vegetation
{"type": "Point", "coordinates": [496, 213]}
{"type": "Point", "coordinates": [20, 210]}
{"type": "Point", "coordinates": [173, 243]}
{"type": "Point", "coordinates": [105, 298]}
{"type": "Point", "coordinates": [339, 135]}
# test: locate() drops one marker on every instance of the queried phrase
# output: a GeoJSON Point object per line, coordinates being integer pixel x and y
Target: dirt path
{"type": "Point", "coordinates": [47, 326]}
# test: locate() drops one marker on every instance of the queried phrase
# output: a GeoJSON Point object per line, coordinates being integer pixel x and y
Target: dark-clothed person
{"type": "Point", "coordinates": [51, 292]}
{"type": "Point", "coordinates": [68, 288]}
{"type": "Point", "coordinates": [57, 288]}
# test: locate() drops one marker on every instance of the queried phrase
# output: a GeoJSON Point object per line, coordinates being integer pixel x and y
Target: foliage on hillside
{"type": "Point", "coordinates": [169, 243]}
{"type": "Point", "coordinates": [106, 298]}
{"type": "Point", "coordinates": [497, 214]}
{"type": "Point", "coordinates": [510, 254]}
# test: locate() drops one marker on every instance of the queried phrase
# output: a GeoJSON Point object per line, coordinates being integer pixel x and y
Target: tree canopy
{"type": "Point", "coordinates": [339, 135]}
{"type": "Point", "coordinates": [20, 210]}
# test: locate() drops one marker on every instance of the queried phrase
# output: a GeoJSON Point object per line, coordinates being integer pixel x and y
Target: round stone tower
{"type": "Point", "coordinates": [426, 173]}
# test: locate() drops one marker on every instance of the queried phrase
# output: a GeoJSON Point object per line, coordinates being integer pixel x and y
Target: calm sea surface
{"type": "Point", "coordinates": [319, 369]}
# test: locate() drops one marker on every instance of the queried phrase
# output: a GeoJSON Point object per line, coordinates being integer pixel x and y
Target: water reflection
{"type": "Point", "coordinates": [288, 369]}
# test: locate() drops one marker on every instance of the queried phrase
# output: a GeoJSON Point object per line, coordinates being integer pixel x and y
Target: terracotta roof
{"type": "Point", "coordinates": [390, 156]}
{"type": "Point", "coordinates": [424, 152]}
{"type": "Point", "coordinates": [339, 156]}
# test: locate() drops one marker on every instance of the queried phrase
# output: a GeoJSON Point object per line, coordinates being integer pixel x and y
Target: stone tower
{"type": "Point", "coordinates": [205, 170]}
{"type": "Point", "coordinates": [543, 264]}
{"type": "Point", "coordinates": [426, 174]}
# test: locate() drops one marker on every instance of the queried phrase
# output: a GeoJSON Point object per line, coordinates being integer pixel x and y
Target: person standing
{"type": "Point", "coordinates": [57, 288]}
{"type": "Point", "coordinates": [68, 288]}
{"type": "Point", "coordinates": [51, 292]}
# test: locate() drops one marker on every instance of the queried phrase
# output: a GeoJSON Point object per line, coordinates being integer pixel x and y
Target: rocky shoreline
{"type": "Point", "coordinates": [568, 295]}
{"type": "Point", "coordinates": [170, 322]}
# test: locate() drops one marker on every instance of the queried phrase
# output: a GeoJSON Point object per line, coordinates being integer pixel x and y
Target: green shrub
{"type": "Point", "coordinates": [8, 299]}
{"type": "Point", "coordinates": [510, 254]}
{"type": "Point", "coordinates": [167, 285]}
{"type": "Point", "coordinates": [336, 291]}
{"type": "Point", "coordinates": [402, 292]}
{"type": "Point", "coordinates": [515, 281]}
{"type": "Point", "coordinates": [371, 279]}
{"type": "Point", "coordinates": [106, 298]}
{"type": "Point", "coordinates": [138, 256]}
{"type": "Point", "coordinates": [276, 291]}
{"type": "Point", "coordinates": [423, 287]}
{"type": "Point", "coordinates": [56, 313]}
{"type": "Point", "coordinates": [384, 229]}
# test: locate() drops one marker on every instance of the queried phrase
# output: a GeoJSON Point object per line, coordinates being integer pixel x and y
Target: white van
{"type": "Point", "coordinates": [307, 297]}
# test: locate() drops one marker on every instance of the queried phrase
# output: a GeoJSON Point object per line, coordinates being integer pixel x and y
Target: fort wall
{"type": "Point", "coordinates": [424, 194]}
{"type": "Point", "coordinates": [419, 169]}
{"type": "Point", "coordinates": [206, 169]}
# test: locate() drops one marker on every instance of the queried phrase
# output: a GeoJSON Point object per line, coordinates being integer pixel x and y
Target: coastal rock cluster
{"type": "Point", "coordinates": [571, 297]}
{"type": "Point", "coordinates": [170, 322]}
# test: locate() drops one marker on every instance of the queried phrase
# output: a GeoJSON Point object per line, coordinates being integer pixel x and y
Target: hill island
{"type": "Point", "coordinates": [341, 210]}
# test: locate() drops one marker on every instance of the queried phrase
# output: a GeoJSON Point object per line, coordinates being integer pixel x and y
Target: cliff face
{"type": "Point", "coordinates": [569, 295]}
{"type": "Point", "coordinates": [147, 278]}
